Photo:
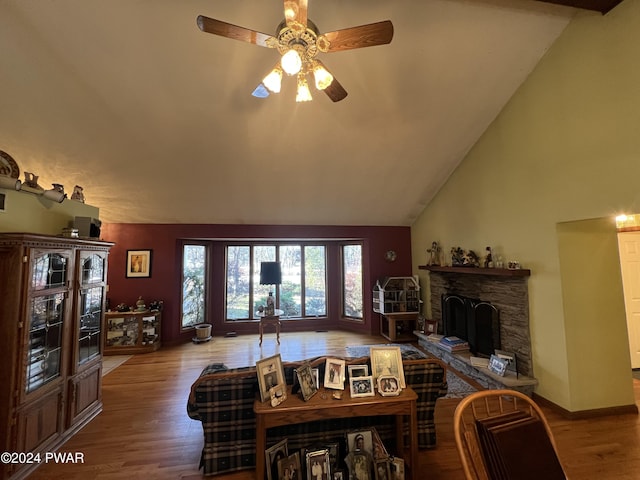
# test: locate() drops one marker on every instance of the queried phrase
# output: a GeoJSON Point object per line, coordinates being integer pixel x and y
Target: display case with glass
{"type": "Point", "coordinates": [51, 313]}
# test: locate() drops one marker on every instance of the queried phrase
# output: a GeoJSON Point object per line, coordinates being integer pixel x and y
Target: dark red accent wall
{"type": "Point", "coordinates": [164, 284]}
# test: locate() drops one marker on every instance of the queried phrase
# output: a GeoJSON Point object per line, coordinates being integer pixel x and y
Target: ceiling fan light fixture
{"type": "Point", "coordinates": [303, 94]}
{"type": "Point", "coordinates": [291, 62]}
{"type": "Point", "coordinates": [273, 81]}
{"type": "Point", "coordinates": [322, 77]}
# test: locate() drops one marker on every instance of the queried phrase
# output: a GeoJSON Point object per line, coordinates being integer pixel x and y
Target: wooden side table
{"type": "Point", "coordinates": [270, 320]}
{"type": "Point", "coordinates": [322, 406]}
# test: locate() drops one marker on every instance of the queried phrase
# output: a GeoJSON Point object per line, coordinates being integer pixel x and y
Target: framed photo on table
{"type": "Point", "coordinates": [358, 371]}
{"type": "Point", "coordinates": [388, 386]}
{"type": "Point", "coordinates": [318, 465]}
{"type": "Point", "coordinates": [361, 387]}
{"type": "Point", "coordinates": [289, 468]}
{"type": "Point", "coordinates": [387, 361]}
{"type": "Point", "coordinates": [270, 374]}
{"type": "Point", "coordinates": [308, 386]}
{"type": "Point", "coordinates": [273, 454]}
{"type": "Point", "coordinates": [334, 373]}
{"type": "Point", "coordinates": [138, 263]}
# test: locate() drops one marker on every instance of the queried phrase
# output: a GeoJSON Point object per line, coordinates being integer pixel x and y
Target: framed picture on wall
{"type": "Point", "coordinates": [138, 263]}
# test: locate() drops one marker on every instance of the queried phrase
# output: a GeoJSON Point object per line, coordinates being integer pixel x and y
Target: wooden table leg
{"type": "Point", "coordinates": [278, 331]}
{"type": "Point", "coordinates": [261, 329]}
{"type": "Point", "coordinates": [261, 445]}
{"type": "Point", "coordinates": [413, 430]}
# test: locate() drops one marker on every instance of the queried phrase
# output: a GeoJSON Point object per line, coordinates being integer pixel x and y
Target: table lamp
{"type": "Point", "coordinates": [270, 274]}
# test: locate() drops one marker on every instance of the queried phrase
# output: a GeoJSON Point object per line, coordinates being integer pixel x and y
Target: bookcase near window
{"type": "Point", "coordinates": [51, 310]}
{"type": "Point", "coordinates": [127, 333]}
{"type": "Point", "coordinates": [397, 295]}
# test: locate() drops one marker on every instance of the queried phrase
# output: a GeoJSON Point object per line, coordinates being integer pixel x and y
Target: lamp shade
{"type": "Point", "coordinates": [270, 273]}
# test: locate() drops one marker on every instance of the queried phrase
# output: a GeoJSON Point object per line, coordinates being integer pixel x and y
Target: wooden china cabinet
{"type": "Point", "coordinates": [51, 316]}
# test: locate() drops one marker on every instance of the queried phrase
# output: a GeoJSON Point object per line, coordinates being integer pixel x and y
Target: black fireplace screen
{"type": "Point", "coordinates": [473, 320]}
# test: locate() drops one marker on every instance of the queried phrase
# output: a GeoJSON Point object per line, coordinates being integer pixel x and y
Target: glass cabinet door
{"type": "Point", "coordinates": [46, 320]}
{"type": "Point", "coordinates": [92, 273]}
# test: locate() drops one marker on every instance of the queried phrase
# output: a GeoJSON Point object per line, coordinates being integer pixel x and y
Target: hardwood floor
{"type": "Point", "coordinates": [144, 430]}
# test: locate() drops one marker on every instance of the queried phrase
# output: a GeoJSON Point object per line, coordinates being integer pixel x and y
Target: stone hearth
{"type": "Point", "coordinates": [462, 363]}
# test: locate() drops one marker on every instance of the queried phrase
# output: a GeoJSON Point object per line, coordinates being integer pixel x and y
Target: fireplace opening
{"type": "Point", "coordinates": [473, 320]}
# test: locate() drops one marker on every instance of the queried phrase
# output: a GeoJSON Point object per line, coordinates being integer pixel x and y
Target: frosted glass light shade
{"type": "Point", "coordinates": [291, 62]}
{"type": "Point", "coordinates": [322, 77]}
{"type": "Point", "coordinates": [303, 94]}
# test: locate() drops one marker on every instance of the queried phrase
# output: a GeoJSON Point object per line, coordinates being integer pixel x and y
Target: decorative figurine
{"type": "Point", "coordinates": [471, 259]}
{"type": "Point", "coordinates": [58, 187]}
{"type": "Point", "coordinates": [77, 194]}
{"type": "Point", "coordinates": [31, 180]}
{"type": "Point", "coordinates": [140, 305]}
{"type": "Point", "coordinates": [488, 261]}
{"type": "Point", "coordinates": [434, 254]}
{"type": "Point", "coordinates": [457, 257]}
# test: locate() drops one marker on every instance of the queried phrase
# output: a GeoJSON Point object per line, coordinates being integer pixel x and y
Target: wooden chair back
{"type": "Point", "coordinates": [488, 404]}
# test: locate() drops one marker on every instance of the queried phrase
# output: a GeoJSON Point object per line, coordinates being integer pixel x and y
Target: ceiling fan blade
{"type": "Point", "coordinates": [295, 11]}
{"type": "Point", "coordinates": [334, 91]}
{"type": "Point", "coordinates": [369, 35]}
{"type": "Point", "coordinates": [224, 29]}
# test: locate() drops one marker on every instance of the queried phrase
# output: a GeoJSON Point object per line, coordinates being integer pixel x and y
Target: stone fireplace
{"type": "Point", "coordinates": [499, 300]}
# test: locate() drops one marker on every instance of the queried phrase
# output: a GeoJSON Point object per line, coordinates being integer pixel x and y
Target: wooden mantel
{"type": "Point", "coordinates": [502, 272]}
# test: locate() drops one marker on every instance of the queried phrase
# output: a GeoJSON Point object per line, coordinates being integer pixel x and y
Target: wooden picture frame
{"type": "Point", "coordinates": [388, 386]}
{"type": "Point", "coordinates": [334, 375]}
{"type": "Point", "coordinates": [270, 374]}
{"type": "Point", "coordinates": [273, 454]}
{"type": "Point", "coordinates": [361, 387]}
{"type": "Point", "coordinates": [318, 464]}
{"type": "Point", "coordinates": [387, 361]}
{"type": "Point", "coordinates": [307, 383]}
{"type": "Point", "coordinates": [138, 263]}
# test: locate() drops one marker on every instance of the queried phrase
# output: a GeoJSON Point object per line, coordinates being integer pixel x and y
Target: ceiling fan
{"type": "Point", "coordinates": [299, 41]}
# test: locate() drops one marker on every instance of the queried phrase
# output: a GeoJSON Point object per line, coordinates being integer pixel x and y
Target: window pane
{"type": "Point", "coordinates": [238, 281]}
{"type": "Point", "coordinates": [352, 281]}
{"type": "Point", "coordinates": [291, 288]}
{"type": "Point", "coordinates": [193, 284]}
{"type": "Point", "coordinates": [262, 253]}
{"type": "Point", "coordinates": [315, 292]}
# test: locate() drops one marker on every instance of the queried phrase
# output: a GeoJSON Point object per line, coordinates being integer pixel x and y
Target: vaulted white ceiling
{"type": "Point", "coordinates": [154, 118]}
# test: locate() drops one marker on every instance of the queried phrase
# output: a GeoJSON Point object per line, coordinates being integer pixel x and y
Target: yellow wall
{"type": "Point", "coordinates": [566, 148]}
{"type": "Point", "coordinates": [593, 301]}
{"type": "Point", "coordinates": [27, 212]}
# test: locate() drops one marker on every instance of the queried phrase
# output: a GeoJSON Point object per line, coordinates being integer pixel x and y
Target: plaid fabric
{"type": "Point", "coordinates": [222, 399]}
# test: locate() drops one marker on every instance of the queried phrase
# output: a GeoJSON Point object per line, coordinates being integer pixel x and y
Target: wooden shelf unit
{"type": "Point", "coordinates": [128, 333]}
{"type": "Point", "coordinates": [398, 327]}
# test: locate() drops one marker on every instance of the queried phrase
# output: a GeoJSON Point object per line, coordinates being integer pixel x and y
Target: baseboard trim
{"type": "Point", "coordinates": [585, 414]}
